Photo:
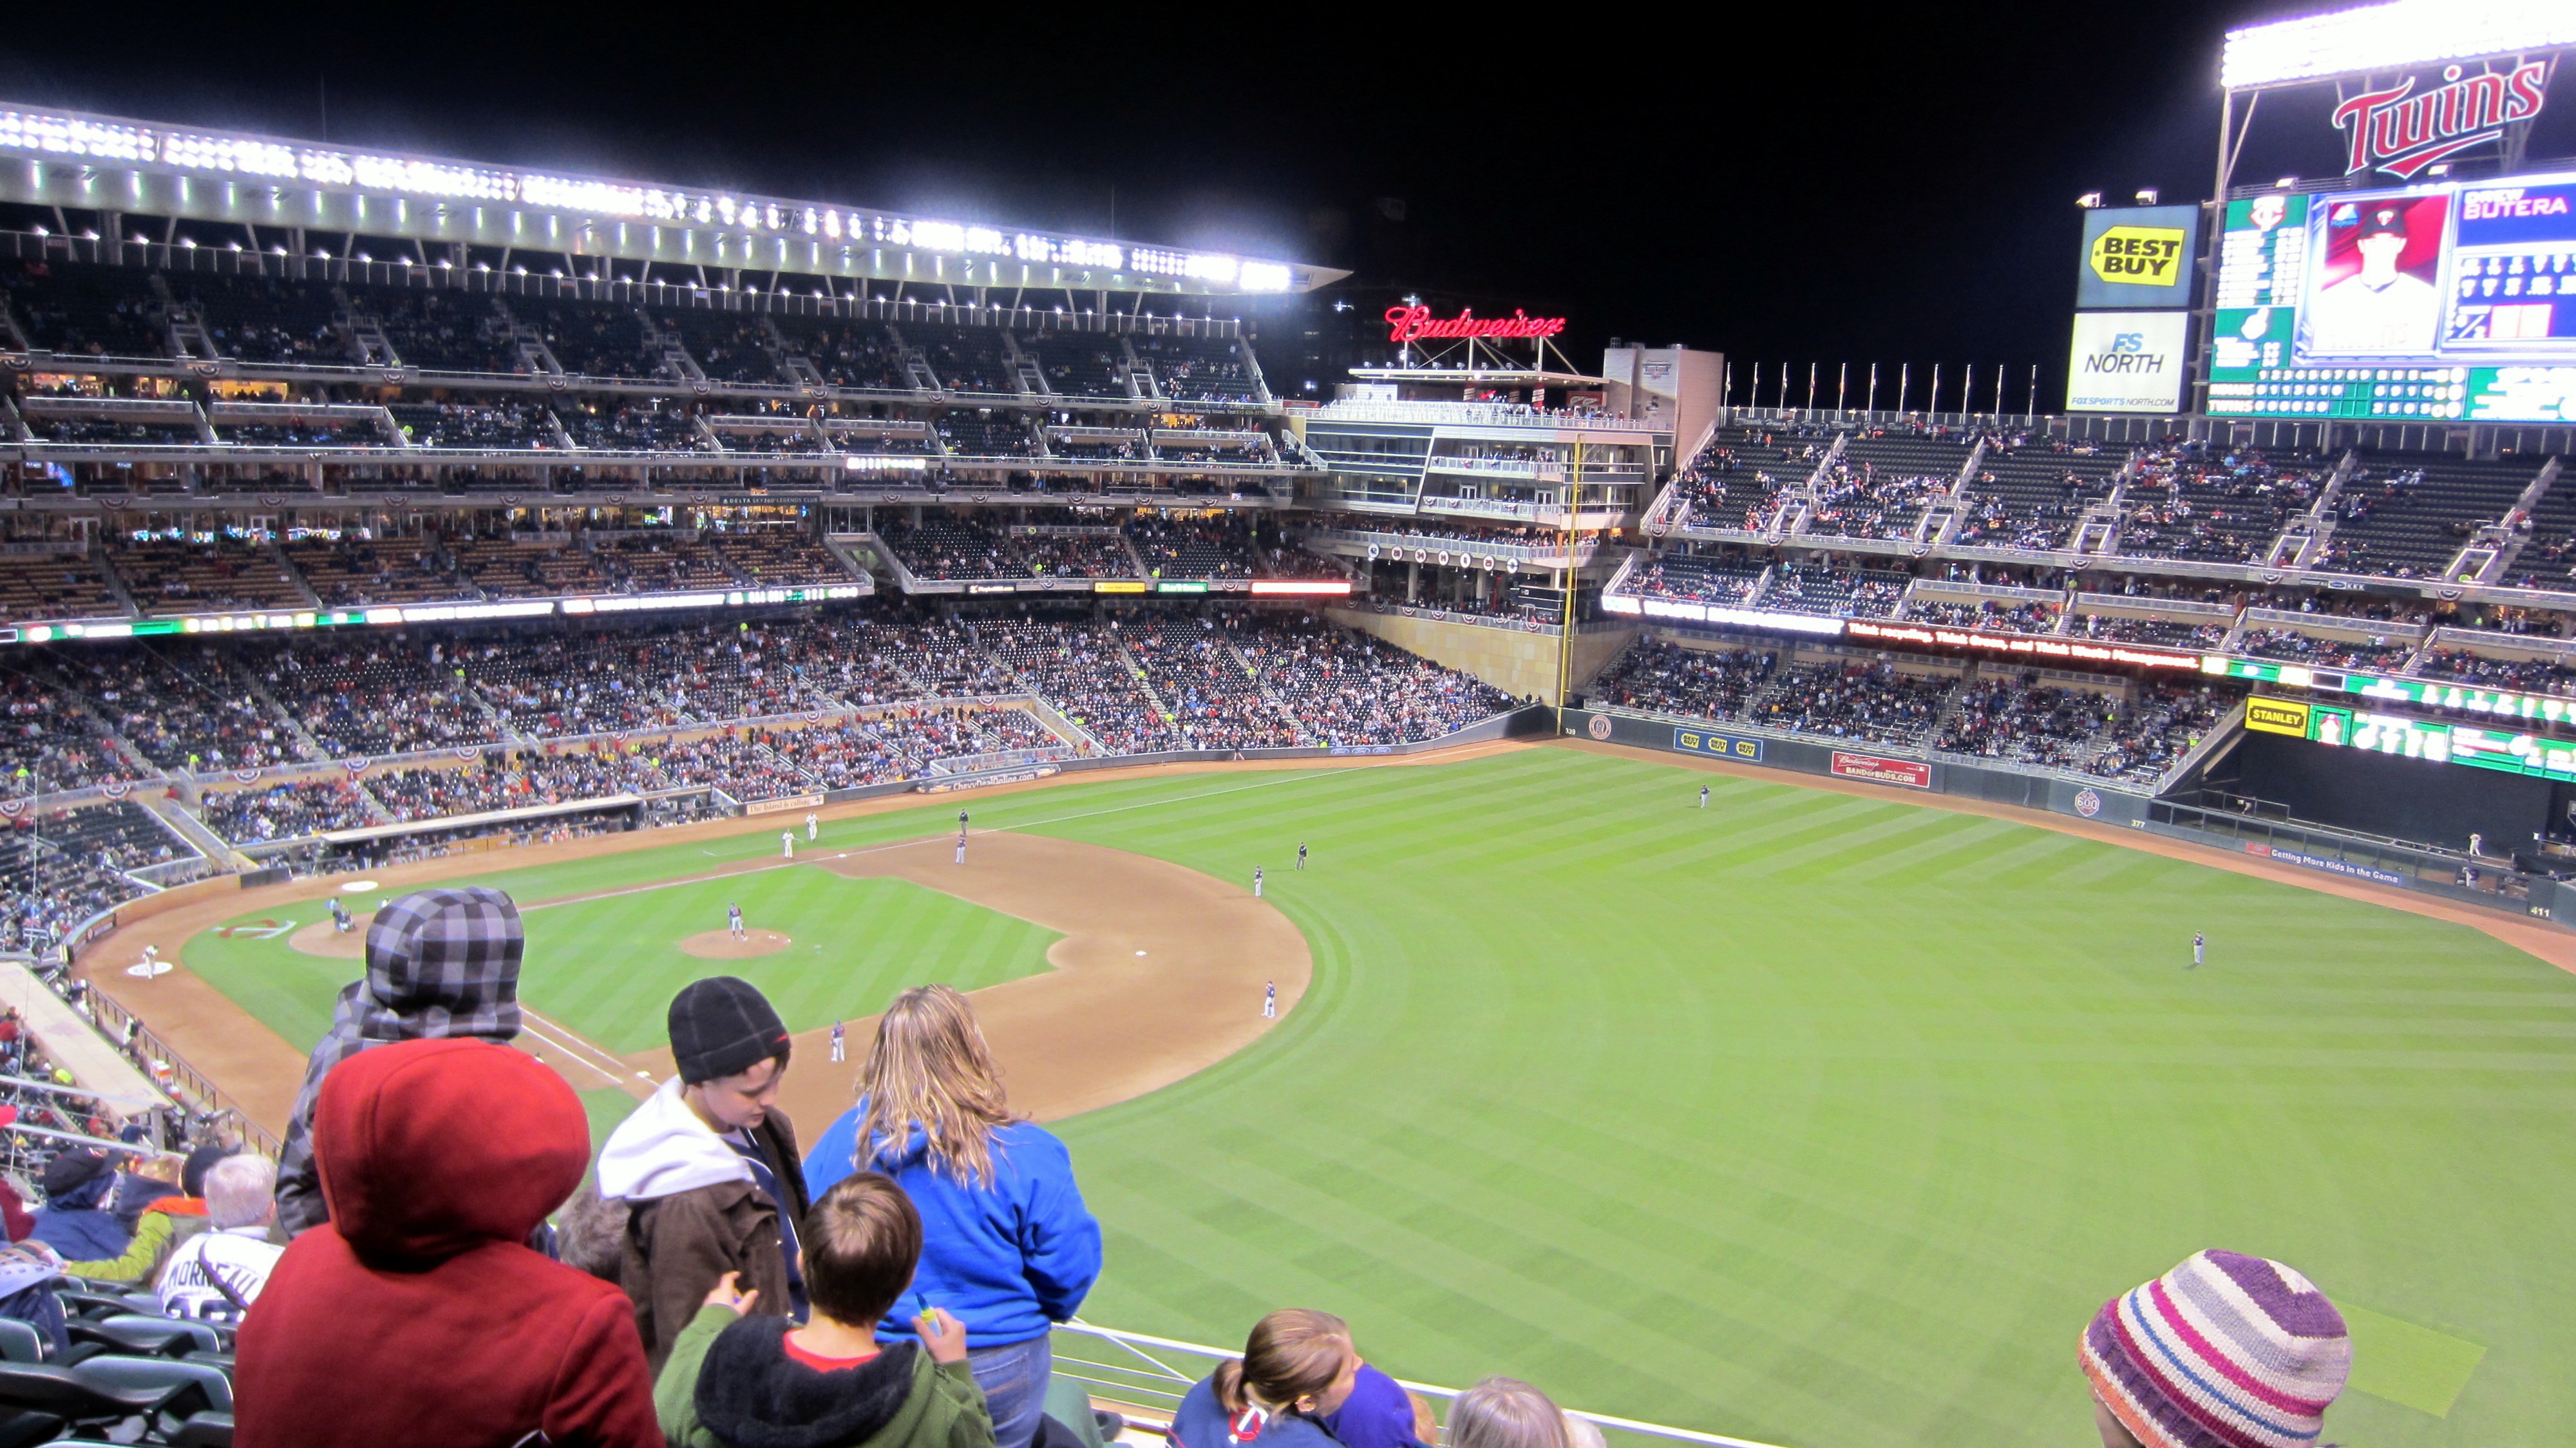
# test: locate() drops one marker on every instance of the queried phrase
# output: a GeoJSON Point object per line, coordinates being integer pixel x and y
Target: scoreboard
{"type": "Point", "coordinates": [2510, 751]}
{"type": "Point", "coordinates": [2438, 303]}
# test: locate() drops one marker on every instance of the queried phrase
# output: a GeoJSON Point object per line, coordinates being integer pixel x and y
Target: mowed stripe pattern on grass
{"type": "Point", "coordinates": [1819, 1118]}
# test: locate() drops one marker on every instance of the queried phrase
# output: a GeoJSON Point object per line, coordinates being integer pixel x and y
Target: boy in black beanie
{"type": "Point", "coordinates": [708, 1167]}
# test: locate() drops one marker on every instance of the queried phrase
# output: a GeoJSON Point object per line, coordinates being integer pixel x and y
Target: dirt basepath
{"type": "Point", "coordinates": [2547, 942]}
{"type": "Point", "coordinates": [1159, 974]}
{"type": "Point", "coordinates": [260, 1070]}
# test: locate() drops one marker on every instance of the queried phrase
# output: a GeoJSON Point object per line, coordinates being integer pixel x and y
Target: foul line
{"type": "Point", "coordinates": [574, 1046]}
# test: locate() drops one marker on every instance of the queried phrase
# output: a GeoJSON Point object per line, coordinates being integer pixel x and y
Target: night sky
{"type": "Point", "coordinates": [1818, 182]}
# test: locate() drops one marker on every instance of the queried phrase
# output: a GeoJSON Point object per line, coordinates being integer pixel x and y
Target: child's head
{"type": "Point", "coordinates": [1505, 1413]}
{"type": "Point", "coordinates": [1296, 1360]}
{"type": "Point", "coordinates": [861, 1242]}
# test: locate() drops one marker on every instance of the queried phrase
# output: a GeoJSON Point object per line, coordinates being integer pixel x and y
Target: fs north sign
{"type": "Point", "coordinates": [1416, 324]}
{"type": "Point", "coordinates": [2138, 256]}
{"type": "Point", "coordinates": [2126, 362]}
{"type": "Point", "coordinates": [2401, 130]}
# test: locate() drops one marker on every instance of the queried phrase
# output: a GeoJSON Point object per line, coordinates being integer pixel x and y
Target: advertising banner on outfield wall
{"type": "Point", "coordinates": [1911, 773]}
{"type": "Point", "coordinates": [1703, 741]}
{"type": "Point", "coordinates": [793, 801]}
{"type": "Point", "coordinates": [2127, 362]}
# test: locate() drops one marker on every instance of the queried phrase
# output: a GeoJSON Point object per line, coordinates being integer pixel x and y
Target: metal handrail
{"type": "Point", "coordinates": [1155, 1370]}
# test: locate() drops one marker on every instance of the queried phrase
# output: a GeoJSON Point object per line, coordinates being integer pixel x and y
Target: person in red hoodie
{"type": "Point", "coordinates": [417, 1314]}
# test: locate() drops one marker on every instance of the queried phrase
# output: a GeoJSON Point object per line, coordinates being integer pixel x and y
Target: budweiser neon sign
{"type": "Point", "coordinates": [2402, 132]}
{"type": "Point", "coordinates": [1413, 324]}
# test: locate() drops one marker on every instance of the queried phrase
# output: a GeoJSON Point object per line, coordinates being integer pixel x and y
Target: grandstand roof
{"type": "Point", "coordinates": [90, 162]}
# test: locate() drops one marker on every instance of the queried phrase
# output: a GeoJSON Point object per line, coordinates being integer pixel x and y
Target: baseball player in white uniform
{"type": "Point", "coordinates": [787, 843]}
{"type": "Point", "coordinates": [1256, 882]}
{"type": "Point", "coordinates": [813, 826]}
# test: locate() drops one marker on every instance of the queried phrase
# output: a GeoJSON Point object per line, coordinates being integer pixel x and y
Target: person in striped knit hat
{"type": "Point", "coordinates": [2224, 1351]}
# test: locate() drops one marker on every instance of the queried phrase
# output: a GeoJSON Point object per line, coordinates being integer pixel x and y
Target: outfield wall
{"type": "Point", "coordinates": [2352, 856]}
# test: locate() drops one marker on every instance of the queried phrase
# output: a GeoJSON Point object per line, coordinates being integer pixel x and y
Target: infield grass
{"type": "Point", "coordinates": [1817, 1119]}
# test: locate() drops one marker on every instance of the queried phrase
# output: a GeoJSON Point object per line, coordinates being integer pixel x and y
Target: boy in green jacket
{"type": "Point", "coordinates": [734, 1380]}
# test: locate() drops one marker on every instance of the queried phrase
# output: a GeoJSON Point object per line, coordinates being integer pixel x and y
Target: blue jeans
{"type": "Point", "coordinates": [1014, 1379]}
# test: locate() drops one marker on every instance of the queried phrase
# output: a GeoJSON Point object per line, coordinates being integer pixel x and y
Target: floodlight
{"type": "Point", "coordinates": [2089, 200]}
{"type": "Point", "coordinates": [2404, 35]}
{"type": "Point", "coordinates": [2286, 182]}
{"type": "Point", "coordinates": [2146, 196]}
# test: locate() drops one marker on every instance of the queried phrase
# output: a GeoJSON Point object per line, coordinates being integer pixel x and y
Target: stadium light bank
{"type": "Point", "coordinates": [111, 163]}
{"type": "Point", "coordinates": [2397, 36]}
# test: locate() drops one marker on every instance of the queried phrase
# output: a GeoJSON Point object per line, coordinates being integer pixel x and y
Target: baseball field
{"type": "Point", "coordinates": [1817, 1117]}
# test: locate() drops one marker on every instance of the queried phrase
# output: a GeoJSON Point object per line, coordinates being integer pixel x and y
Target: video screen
{"type": "Point", "coordinates": [2450, 302]}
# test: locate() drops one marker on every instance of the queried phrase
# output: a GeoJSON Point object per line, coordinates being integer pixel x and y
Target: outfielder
{"type": "Point", "coordinates": [961, 844]}
{"type": "Point", "coordinates": [837, 1046]}
{"type": "Point", "coordinates": [1703, 796]}
{"type": "Point", "coordinates": [1301, 854]}
{"type": "Point", "coordinates": [1256, 882]}
{"type": "Point", "coordinates": [2199, 947]}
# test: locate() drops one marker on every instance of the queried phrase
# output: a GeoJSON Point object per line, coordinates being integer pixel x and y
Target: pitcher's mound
{"type": "Point", "coordinates": [720, 944]}
{"type": "Point", "coordinates": [319, 938]}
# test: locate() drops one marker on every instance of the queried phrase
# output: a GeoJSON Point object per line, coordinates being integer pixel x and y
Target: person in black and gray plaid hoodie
{"type": "Point", "coordinates": [440, 963]}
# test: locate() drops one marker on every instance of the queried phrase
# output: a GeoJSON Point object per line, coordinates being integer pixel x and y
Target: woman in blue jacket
{"type": "Point", "coordinates": [1006, 1245]}
{"type": "Point", "coordinates": [1297, 1370]}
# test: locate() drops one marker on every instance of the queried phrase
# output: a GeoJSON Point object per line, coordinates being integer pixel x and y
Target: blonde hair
{"type": "Point", "coordinates": [930, 1068]}
{"type": "Point", "coordinates": [1506, 1413]}
{"type": "Point", "coordinates": [1293, 1353]}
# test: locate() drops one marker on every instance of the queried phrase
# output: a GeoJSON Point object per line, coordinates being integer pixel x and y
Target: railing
{"type": "Point", "coordinates": [1135, 1370]}
{"type": "Point", "coordinates": [167, 1066]}
{"type": "Point", "coordinates": [1475, 414]}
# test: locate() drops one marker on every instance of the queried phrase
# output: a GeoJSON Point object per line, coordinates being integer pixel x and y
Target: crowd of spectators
{"type": "Point", "coordinates": [1871, 703]}
{"type": "Point", "coordinates": [285, 811]}
{"type": "Point", "coordinates": [2538, 676]}
{"type": "Point", "coordinates": [1991, 615]}
{"type": "Point", "coordinates": [2172, 633]}
{"type": "Point", "coordinates": [1207, 687]}
{"type": "Point", "coordinates": [1699, 580]}
{"type": "Point", "coordinates": [2184, 503]}
{"type": "Point", "coordinates": [2161, 725]}
{"type": "Point", "coordinates": [1662, 677]}
{"type": "Point", "coordinates": [2379, 652]}
{"type": "Point", "coordinates": [2017, 718]}
{"type": "Point", "coordinates": [1346, 689]}
{"type": "Point", "coordinates": [1857, 500]}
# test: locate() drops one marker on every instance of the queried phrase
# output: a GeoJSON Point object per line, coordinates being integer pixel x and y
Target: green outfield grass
{"type": "Point", "coordinates": [1810, 1118]}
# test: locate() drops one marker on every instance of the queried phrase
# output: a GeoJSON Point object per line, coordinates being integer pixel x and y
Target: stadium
{"type": "Point", "coordinates": [1755, 911]}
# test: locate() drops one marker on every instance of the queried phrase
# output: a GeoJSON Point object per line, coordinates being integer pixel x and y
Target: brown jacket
{"type": "Point", "coordinates": [678, 1246]}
